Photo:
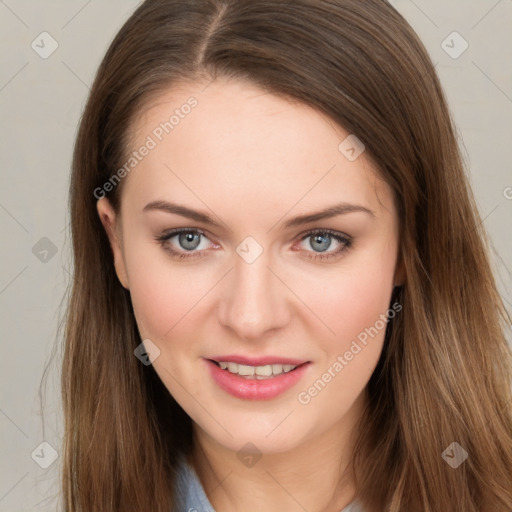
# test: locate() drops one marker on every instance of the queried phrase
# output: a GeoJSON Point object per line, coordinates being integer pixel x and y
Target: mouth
{"type": "Point", "coordinates": [267, 379]}
{"type": "Point", "coordinates": [260, 372]}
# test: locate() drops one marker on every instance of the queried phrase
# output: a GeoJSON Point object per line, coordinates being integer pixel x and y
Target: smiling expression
{"type": "Point", "coordinates": [248, 239]}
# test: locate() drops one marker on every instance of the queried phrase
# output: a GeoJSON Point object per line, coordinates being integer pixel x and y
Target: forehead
{"type": "Point", "coordinates": [242, 142]}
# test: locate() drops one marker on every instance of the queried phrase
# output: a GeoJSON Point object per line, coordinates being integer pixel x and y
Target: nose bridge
{"type": "Point", "coordinates": [254, 302]}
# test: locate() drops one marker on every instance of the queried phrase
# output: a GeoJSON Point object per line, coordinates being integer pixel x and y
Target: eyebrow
{"type": "Point", "coordinates": [332, 211]}
{"type": "Point", "coordinates": [180, 210]}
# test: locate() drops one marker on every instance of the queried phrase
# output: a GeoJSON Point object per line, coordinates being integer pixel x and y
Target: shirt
{"type": "Point", "coordinates": [192, 498]}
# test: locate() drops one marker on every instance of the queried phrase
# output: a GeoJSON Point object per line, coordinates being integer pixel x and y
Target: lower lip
{"type": "Point", "coordinates": [255, 389]}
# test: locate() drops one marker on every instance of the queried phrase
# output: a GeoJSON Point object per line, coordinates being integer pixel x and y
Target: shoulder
{"type": "Point", "coordinates": [190, 495]}
{"type": "Point", "coordinates": [355, 506]}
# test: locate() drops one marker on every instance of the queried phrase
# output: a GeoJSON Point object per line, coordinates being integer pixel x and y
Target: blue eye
{"type": "Point", "coordinates": [322, 240]}
{"type": "Point", "coordinates": [184, 243]}
{"type": "Point", "coordinates": [188, 241]}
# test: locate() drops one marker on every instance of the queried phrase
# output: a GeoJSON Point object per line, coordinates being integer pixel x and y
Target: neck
{"type": "Point", "coordinates": [316, 476]}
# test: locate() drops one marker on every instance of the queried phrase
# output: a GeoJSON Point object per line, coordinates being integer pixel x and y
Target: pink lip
{"type": "Point", "coordinates": [256, 389]}
{"type": "Point", "coordinates": [257, 361]}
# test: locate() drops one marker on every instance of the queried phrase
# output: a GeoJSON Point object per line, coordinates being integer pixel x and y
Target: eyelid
{"type": "Point", "coordinates": [342, 238]}
{"type": "Point", "coordinates": [332, 232]}
{"type": "Point", "coordinates": [171, 233]}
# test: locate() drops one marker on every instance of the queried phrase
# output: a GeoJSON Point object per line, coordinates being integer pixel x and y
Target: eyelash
{"type": "Point", "coordinates": [343, 239]}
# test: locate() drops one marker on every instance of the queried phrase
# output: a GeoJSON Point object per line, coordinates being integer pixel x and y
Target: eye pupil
{"type": "Point", "coordinates": [189, 241]}
{"type": "Point", "coordinates": [324, 242]}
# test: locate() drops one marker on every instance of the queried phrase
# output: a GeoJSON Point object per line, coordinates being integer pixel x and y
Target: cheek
{"type": "Point", "coordinates": [353, 304]}
{"type": "Point", "coordinates": [162, 293]}
{"type": "Point", "coordinates": [165, 305]}
{"type": "Point", "coordinates": [363, 300]}
{"type": "Point", "coordinates": [356, 311]}
{"type": "Point", "coordinates": [350, 299]}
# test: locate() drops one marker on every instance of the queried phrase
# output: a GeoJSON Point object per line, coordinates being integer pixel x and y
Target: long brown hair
{"type": "Point", "coordinates": [445, 371]}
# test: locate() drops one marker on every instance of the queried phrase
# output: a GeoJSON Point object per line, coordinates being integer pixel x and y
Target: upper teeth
{"type": "Point", "coordinates": [258, 371]}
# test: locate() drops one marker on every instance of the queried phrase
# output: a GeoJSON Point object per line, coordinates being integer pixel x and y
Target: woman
{"type": "Point", "coordinates": [282, 297]}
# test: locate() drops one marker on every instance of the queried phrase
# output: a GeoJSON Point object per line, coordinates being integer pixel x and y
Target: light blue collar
{"type": "Point", "coordinates": [190, 495]}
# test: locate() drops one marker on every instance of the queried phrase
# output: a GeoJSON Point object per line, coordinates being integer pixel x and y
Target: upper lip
{"type": "Point", "coordinates": [257, 361]}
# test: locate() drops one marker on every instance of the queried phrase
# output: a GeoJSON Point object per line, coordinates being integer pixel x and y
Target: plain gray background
{"type": "Point", "coordinates": [41, 100]}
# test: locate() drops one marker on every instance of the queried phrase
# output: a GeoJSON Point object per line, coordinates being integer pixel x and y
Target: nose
{"type": "Point", "coordinates": [254, 301]}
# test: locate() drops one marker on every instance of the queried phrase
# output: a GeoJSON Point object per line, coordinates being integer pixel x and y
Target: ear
{"type": "Point", "coordinates": [111, 223]}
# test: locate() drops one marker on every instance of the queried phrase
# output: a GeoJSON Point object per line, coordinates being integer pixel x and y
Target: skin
{"type": "Point", "coordinates": [252, 161]}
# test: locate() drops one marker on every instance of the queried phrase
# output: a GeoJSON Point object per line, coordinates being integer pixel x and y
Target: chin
{"type": "Point", "coordinates": [258, 438]}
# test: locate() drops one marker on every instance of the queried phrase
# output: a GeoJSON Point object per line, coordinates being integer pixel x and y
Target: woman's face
{"type": "Point", "coordinates": [287, 258]}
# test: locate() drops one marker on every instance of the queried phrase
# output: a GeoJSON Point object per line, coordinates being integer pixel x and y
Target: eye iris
{"type": "Point", "coordinates": [189, 241]}
{"type": "Point", "coordinates": [324, 242]}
